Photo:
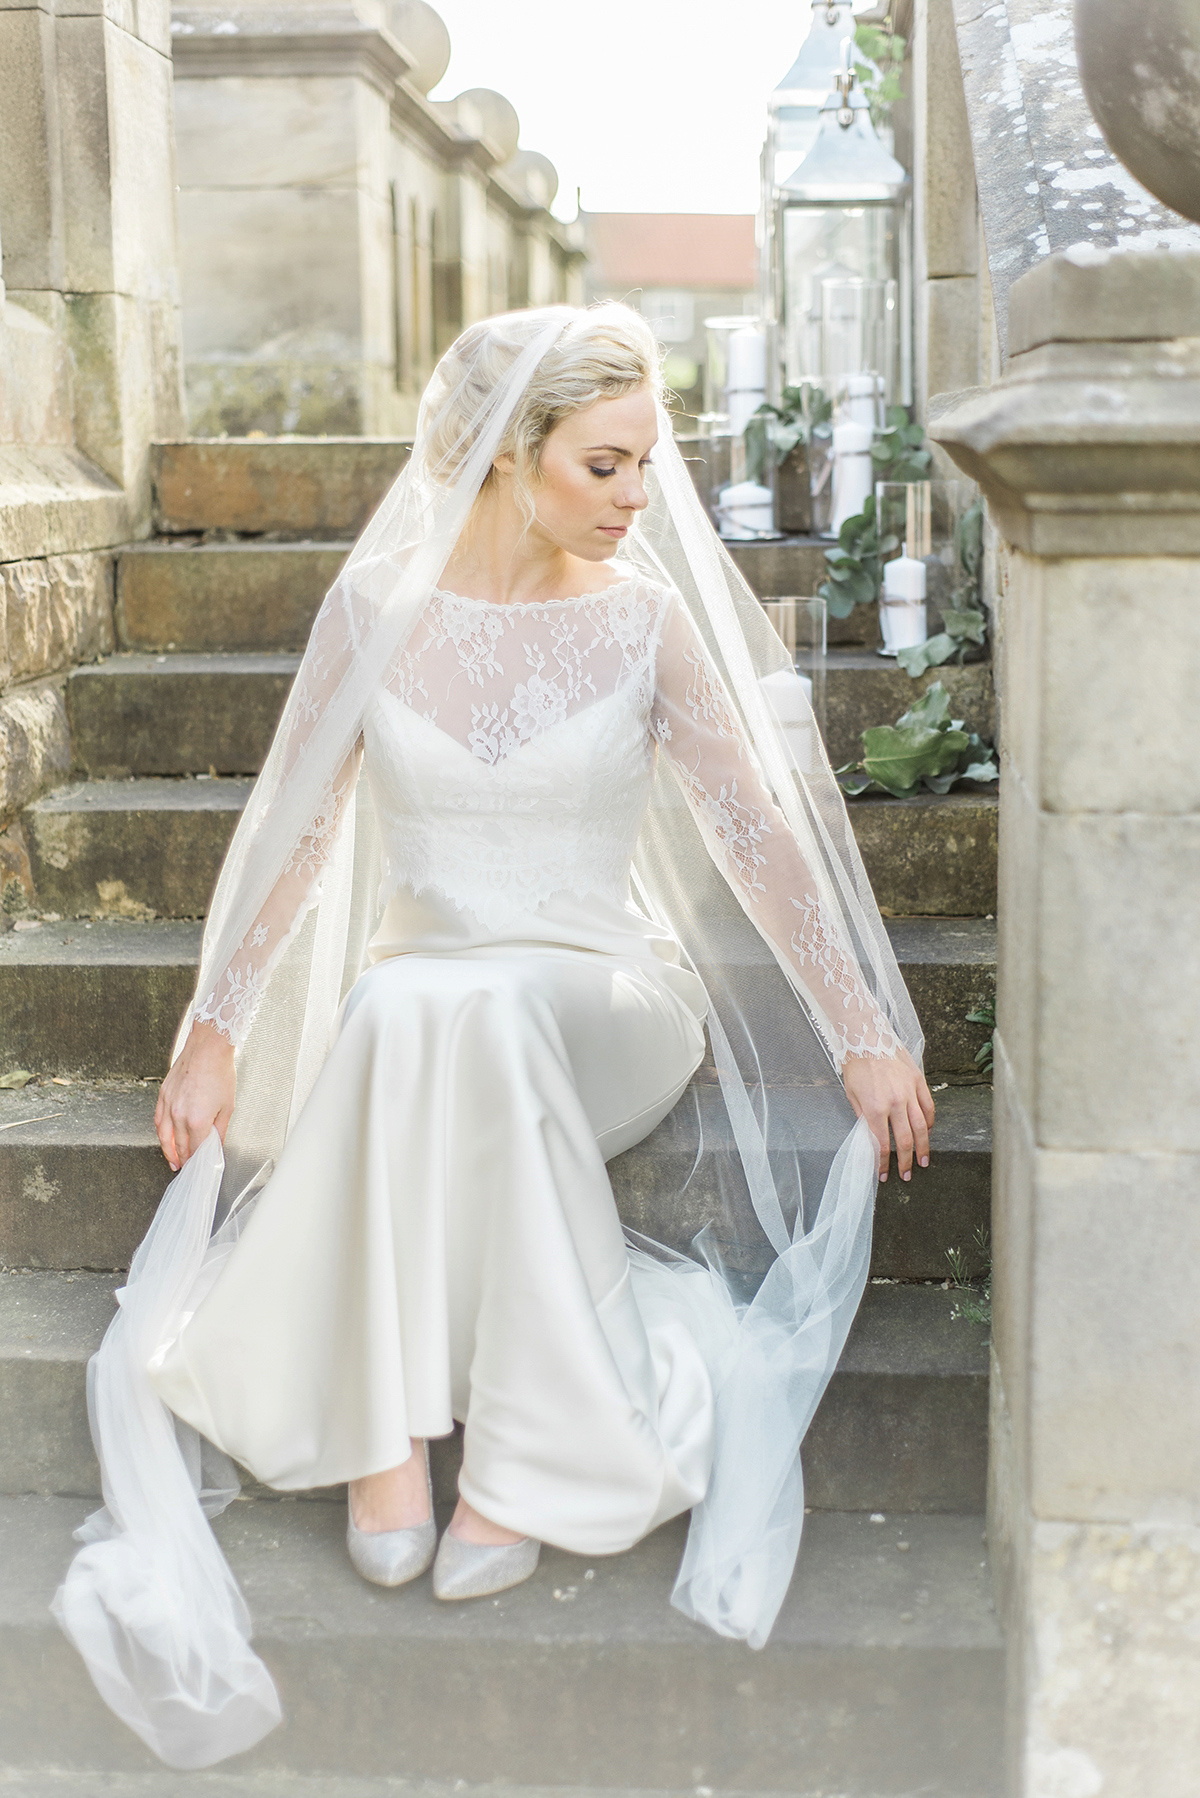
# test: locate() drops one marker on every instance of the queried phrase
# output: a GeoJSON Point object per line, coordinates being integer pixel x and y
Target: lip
{"type": "Point", "coordinates": [615, 530]}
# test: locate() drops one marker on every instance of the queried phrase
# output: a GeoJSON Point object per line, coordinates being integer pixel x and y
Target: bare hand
{"type": "Point", "coordinates": [892, 1094]}
{"type": "Point", "coordinates": [198, 1092]}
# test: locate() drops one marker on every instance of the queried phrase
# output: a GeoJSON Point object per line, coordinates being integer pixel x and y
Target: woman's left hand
{"type": "Point", "coordinates": [892, 1095]}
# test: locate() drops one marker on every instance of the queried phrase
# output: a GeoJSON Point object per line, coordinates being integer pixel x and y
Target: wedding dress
{"type": "Point", "coordinates": [593, 838]}
{"type": "Point", "coordinates": [439, 1239]}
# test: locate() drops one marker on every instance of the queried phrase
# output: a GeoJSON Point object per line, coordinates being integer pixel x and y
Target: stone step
{"type": "Point", "coordinates": [902, 1426]}
{"type": "Point", "coordinates": [103, 1000]}
{"type": "Point", "coordinates": [864, 689]}
{"type": "Point", "coordinates": [81, 1174]}
{"type": "Point", "coordinates": [298, 486]}
{"type": "Point", "coordinates": [176, 714]}
{"type": "Point", "coordinates": [193, 596]}
{"type": "Point", "coordinates": [154, 844]}
{"type": "Point", "coordinates": [132, 846]}
{"type": "Point", "coordinates": [883, 1676]}
{"type": "Point", "coordinates": [248, 594]}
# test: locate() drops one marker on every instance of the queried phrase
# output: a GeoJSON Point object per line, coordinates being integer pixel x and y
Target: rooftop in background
{"type": "Point", "coordinates": [670, 249]}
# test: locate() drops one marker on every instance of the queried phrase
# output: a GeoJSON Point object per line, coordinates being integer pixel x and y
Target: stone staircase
{"type": "Point", "coordinates": [883, 1677]}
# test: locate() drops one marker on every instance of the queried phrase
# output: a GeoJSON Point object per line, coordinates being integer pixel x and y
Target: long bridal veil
{"type": "Point", "coordinates": [771, 1154]}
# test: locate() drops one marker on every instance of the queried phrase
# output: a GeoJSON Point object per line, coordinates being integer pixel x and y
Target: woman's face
{"type": "Point", "coordinates": [592, 474]}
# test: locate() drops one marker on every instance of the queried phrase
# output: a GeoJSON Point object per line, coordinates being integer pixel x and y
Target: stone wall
{"type": "Point", "coordinates": [89, 351]}
{"type": "Point", "coordinates": [338, 229]}
{"type": "Point", "coordinates": [1087, 450]}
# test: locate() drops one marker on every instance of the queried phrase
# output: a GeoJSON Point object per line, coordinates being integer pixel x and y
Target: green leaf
{"type": "Point", "coordinates": [968, 626]}
{"type": "Point", "coordinates": [838, 605]}
{"type": "Point", "coordinates": [898, 756]}
{"type": "Point", "coordinates": [981, 771]}
{"type": "Point", "coordinates": [930, 654]}
{"type": "Point", "coordinates": [932, 707]}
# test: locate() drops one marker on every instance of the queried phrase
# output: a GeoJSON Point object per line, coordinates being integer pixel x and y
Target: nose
{"type": "Point", "coordinates": [633, 496]}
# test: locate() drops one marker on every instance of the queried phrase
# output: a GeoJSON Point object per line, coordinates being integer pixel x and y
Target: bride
{"type": "Point", "coordinates": [545, 822]}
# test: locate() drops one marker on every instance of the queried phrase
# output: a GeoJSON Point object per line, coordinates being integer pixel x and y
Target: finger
{"type": "Point", "coordinates": [166, 1141]}
{"type": "Point", "coordinates": [904, 1142]}
{"type": "Point", "coordinates": [920, 1132]}
{"type": "Point", "coordinates": [883, 1147]}
{"type": "Point", "coordinates": [926, 1101]}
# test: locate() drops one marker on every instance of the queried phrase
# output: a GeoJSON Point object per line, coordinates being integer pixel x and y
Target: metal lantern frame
{"type": "Point", "coordinates": [848, 172]}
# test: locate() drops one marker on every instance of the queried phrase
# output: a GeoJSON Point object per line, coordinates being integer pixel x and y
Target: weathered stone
{"type": "Point", "coordinates": [54, 612]}
{"type": "Point", "coordinates": [100, 1004]}
{"type": "Point", "coordinates": [1045, 177]}
{"type": "Point", "coordinates": [933, 855]}
{"type": "Point", "coordinates": [30, 152]}
{"type": "Point", "coordinates": [35, 748]}
{"type": "Point", "coordinates": [80, 1176]}
{"type": "Point", "coordinates": [16, 875]}
{"type": "Point", "coordinates": [234, 596]}
{"type": "Point", "coordinates": [1087, 449]}
{"type": "Point", "coordinates": [52, 500]}
{"type": "Point", "coordinates": [35, 370]}
{"type": "Point", "coordinates": [883, 1675]}
{"type": "Point", "coordinates": [179, 715]}
{"type": "Point", "coordinates": [1112, 1637]}
{"type": "Point", "coordinates": [132, 848]}
{"type": "Point", "coordinates": [946, 231]}
{"type": "Point", "coordinates": [321, 487]}
{"type": "Point", "coordinates": [1089, 296]}
{"type": "Point", "coordinates": [902, 1426]}
{"type": "Point", "coordinates": [949, 357]}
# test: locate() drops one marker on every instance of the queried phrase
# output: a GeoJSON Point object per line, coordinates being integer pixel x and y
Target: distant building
{"type": "Point", "coordinates": [677, 268]}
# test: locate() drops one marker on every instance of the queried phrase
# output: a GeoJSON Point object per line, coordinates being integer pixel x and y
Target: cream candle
{"type": "Point", "coordinates": [902, 608]}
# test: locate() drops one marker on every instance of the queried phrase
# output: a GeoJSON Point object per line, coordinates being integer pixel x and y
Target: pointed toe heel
{"type": "Point", "coordinates": [474, 1570]}
{"type": "Point", "coordinates": [392, 1557]}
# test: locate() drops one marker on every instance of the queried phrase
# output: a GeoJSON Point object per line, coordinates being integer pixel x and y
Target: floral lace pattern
{"type": "Point", "coordinates": [510, 753]}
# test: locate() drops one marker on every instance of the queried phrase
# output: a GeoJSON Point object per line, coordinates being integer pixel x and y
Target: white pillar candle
{"type": "Point", "coordinates": [859, 399]}
{"type": "Point", "coordinates": [902, 608]}
{"type": "Point", "coordinates": [745, 510]}
{"type": "Point", "coordinates": [853, 472]}
{"type": "Point", "coordinates": [790, 696]}
{"type": "Point", "coordinates": [746, 386]}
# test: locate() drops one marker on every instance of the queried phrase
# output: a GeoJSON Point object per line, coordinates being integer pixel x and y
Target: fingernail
{"type": "Point", "coordinates": [907, 1176]}
{"type": "Point", "coordinates": [924, 1161]}
{"type": "Point", "coordinates": [883, 1176]}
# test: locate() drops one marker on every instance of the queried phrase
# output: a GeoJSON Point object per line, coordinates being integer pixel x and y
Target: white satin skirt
{"type": "Point", "coordinates": [439, 1241]}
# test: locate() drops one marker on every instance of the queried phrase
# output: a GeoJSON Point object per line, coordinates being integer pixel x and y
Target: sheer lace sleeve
{"type": "Point", "coordinates": [751, 842]}
{"type": "Point", "coordinates": [233, 1001]}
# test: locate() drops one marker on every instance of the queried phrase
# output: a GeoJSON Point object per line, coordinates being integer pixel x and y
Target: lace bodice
{"type": "Point", "coordinates": [510, 753]}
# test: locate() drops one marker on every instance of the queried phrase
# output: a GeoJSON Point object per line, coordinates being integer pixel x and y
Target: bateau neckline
{"type": "Point", "coordinates": [532, 605]}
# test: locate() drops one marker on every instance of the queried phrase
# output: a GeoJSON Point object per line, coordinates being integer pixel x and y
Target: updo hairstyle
{"type": "Point", "coordinates": [603, 352]}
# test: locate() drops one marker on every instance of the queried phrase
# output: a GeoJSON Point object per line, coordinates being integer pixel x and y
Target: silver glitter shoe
{"type": "Point", "coordinates": [392, 1557]}
{"type": "Point", "coordinates": [475, 1569]}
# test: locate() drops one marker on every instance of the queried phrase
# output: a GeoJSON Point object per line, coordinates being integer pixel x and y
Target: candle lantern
{"type": "Point", "coordinates": [797, 697]}
{"type": "Point", "coordinates": [925, 519]}
{"type": "Point", "coordinates": [794, 109]}
{"type": "Point", "coordinates": [735, 386]}
{"type": "Point", "coordinates": [839, 269]}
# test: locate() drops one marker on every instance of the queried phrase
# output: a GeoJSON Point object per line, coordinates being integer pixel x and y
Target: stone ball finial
{"type": "Point", "coordinates": [421, 30]}
{"type": "Point", "coordinates": [535, 173]}
{"type": "Point", "coordinates": [1140, 68]}
{"type": "Point", "coordinates": [497, 116]}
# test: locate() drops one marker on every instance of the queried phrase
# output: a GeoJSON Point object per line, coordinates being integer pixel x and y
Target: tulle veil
{"type": "Point", "coordinates": [779, 1167]}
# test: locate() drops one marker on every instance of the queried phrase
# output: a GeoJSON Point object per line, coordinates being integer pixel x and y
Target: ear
{"type": "Point", "coordinates": [504, 464]}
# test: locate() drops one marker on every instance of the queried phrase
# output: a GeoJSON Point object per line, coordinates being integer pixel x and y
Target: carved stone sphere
{"type": "Point", "coordinates": [1139, 61]}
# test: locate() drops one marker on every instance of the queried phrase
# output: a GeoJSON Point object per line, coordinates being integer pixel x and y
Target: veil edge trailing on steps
{"type": "Point", "coordinates": [781, 1169]}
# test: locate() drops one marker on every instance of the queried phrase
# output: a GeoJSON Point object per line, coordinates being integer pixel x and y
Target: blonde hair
{"type": "Point", "coordinates": [603, 352]}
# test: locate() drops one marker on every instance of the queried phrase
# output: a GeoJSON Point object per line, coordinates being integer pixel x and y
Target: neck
{"type": "Point", "coordinates": [499, 559]}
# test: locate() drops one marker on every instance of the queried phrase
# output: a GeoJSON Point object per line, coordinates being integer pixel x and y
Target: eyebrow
{"type": "Point", "coordinates": [612, 448]}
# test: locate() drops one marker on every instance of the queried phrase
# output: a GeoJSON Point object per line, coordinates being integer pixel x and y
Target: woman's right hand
{"type": "Point", "coordinates": [198, 1092]}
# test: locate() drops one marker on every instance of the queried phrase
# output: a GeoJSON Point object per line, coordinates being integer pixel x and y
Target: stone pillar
{"type": "Point", "coordinates": [88, 203]}
{"type": "Point", "coordinates": [1088, 451]}
{"type": "Point", "coordinates": [946, 249]}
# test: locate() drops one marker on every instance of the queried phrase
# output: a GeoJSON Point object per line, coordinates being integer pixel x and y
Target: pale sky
{"type": "Point", "coordinates": [647, 105]}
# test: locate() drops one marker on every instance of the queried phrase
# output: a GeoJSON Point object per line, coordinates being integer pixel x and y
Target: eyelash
{"type": "Point", "coordinates": [607, 471]}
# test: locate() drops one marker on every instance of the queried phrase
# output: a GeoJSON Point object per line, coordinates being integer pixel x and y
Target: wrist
{"type": "Point", "coordinates": [209, 1040]}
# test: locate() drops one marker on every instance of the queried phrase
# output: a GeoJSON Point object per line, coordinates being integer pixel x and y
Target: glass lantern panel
{"type": "Point", "coordinates": [822, 243]}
